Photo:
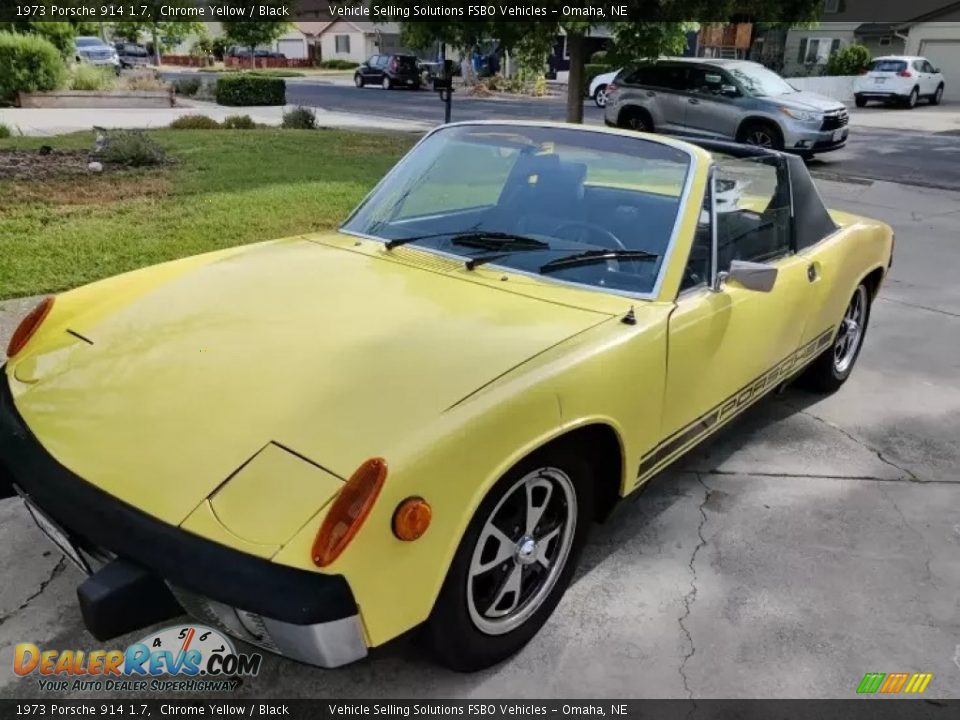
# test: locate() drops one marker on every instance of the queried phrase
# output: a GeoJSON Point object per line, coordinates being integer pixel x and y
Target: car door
{"type": "Point", "coordinates": [712, 104]}
{"type": "Point", "coordinates": [730, 344]}
{"type": "Point", "coordinates": [934, 76]}
{"type": "Point", "coordinates": [665, 84]}
{"type": "Point", "coordinates": [922, 77]}
{"type": "Point", "coordinates": [369, 70]}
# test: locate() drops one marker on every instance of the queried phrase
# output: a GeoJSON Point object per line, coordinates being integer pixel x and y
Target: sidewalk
{"type": "Point", "coordinates": [43, 122]}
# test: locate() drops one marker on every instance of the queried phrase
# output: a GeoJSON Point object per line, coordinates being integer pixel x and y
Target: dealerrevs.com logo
{"type": "Point", "coordinates": [190, 658]}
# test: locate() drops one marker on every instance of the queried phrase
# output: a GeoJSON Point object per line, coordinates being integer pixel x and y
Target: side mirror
{"type": "Point", "coordinates": [729, 91]}
{"type": "Point", "coordinates": [751, 275]}
{"type": "Point", "coordinates": [936, 70]}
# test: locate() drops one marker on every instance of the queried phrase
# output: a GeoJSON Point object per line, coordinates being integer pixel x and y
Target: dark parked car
{"type": "Point", "coordinates": [389, 71]}
{"type": "Point", "coordinates": [242, 52]}
{"type": "Point", "coordinates": [132, 55]}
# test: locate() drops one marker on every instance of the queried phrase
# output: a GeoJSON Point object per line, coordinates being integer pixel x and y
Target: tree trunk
{"type": "Point", "coordinates": [575, 78]}
{"type": "Point", "coordinates": [156, 45]}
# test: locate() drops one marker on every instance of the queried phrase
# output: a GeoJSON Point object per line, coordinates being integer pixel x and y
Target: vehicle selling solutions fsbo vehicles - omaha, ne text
{"type": "Point", "coordinates": [446, 393]}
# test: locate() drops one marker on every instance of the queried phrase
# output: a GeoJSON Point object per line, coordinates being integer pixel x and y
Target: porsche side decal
{"type": "Point", "coordinates": [734, 405]}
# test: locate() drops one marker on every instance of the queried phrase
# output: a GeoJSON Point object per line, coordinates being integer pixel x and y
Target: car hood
{"type": "Point", "coordinates": [331, 353]}
{"type": "Point", "coordinates": [805, 100]}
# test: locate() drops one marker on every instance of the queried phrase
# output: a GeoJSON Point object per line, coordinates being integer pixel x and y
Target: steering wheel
{"type": "Point", "coordinates": [591, 228]}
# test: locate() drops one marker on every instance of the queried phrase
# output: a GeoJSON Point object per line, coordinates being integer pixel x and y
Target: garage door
{"type": "Point", "coordinates": [293, 49]}
{"type": "Point", "coordinates": [945, 54]}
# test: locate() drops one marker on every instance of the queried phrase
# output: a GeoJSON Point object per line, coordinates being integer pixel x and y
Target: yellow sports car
{"type": "Point", "coordinates": [318, 443]}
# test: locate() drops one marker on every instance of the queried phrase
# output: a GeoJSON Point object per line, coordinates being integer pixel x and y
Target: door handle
{"type": "Point", "coordinates": [812, 273]}
{"type": "Point", "coordinates": [693, 101]}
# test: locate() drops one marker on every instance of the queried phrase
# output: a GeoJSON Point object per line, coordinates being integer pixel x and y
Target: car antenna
{"type": "Point", "coordinates": [630, 318]}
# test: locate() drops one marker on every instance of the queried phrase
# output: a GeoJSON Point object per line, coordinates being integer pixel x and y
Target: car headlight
{"type": "Point", "coordinates": [802, 115]}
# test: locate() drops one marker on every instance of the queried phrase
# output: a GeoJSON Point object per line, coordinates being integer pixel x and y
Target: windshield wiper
{"type": "Point", "coordinates": [482, 239]}
{"type": "Point", "coordinates": [589, 257]}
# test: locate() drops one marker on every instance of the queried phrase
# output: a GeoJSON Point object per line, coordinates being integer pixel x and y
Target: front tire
{"type": "Point", "coordinates": [600, 96]}
{"type": "Point", "coordinates": [761, 134]}
{"type": "Point", "coordinates": [514, 562]}
{"type": "Point", "coordinates": [832, 368]}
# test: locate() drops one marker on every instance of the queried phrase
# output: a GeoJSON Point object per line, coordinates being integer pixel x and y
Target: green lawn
{"type": "Point", "coordinates": [226, 187]}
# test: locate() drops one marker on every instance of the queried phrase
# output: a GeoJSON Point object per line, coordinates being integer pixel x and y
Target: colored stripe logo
{"type": "Point", "coordinates": [894, 683]}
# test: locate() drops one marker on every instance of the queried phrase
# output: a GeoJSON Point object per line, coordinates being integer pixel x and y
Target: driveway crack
{"type": "Point", "coordinates": [57, 569]}
{"type": "Point", "coordinates": [691, 596]}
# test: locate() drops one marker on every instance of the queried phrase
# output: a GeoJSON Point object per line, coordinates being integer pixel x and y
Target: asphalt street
{"type": "Point", "coordinates": [928, 159]}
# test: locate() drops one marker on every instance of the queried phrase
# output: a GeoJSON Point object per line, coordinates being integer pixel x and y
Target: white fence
{"type": "Point", "coordinates": [839, 88]}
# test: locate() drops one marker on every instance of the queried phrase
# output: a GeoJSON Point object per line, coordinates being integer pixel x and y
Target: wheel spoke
{"type": "Point", "coordinates": [511, 586]}
{"type": "Point", "coordinates": [543, 544]}
{"type": "Point", "coordinates": [535, 505]}
{"type": "Point", "coordinates": [505, 549]}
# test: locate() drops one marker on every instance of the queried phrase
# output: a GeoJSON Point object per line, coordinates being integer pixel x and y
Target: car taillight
{"type": "Point", "coordinates": [862, 72]}
{"type": "Point", "coordinates": [612, 88]}
{"type": "Point", "coordinates": [348, 511]}
{"type": "Point", "coordinates": [904, 73]}
{"type": "Point", "coordinates": [29, 325]}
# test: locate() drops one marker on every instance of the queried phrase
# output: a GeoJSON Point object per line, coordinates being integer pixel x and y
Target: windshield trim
{"type": "Point", "coordinates": [668, 251]}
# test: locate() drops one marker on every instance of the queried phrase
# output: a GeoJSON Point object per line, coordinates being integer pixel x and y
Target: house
{"type": "Point", "coordinates": [844, 22]}
{"type": "Point", "coordinates": [936, 36]}
{"type": "Point", "coordinates": [356, 41]}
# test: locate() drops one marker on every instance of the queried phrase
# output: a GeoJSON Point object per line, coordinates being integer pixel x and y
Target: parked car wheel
{"type": "Point", "coordinates": [937, 96]}
{"type": "Point", "coordinates": [358, 80]}
{"type": "Point", "coordinates": [829, 371]}
{"type": "Point", "coordinates": [600, 96]}
{"type": "Point", "coordinates": [634, 118]}
{"type": "Point", "coordinates": [514, 562]}
{"type": "Point", "coordinates": [912, 98]}
{"type": "Point", "coordinates": [860, 100]}
{"type": "Point", "coordinates": [387, 83]}
{"type": "Point", "coordinates": [761, 134]}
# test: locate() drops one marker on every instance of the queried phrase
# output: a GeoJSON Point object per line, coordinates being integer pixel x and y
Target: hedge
{"type": "Point", "coordinates": [251, 90]}
{"type": "Point", "coordinates": [338, 65]}
{"type": "Point", "coordinates": [29, 63]}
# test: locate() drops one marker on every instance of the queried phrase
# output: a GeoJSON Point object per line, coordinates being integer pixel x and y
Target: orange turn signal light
{"type": "Point", "coordinates": [29, 325]}
{"type": "Point", "coordinates": [412, 518]}
{"type": "Point", "coordinates": [348, 511]}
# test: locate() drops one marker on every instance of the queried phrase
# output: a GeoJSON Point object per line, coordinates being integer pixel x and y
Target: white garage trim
{"type": "Point", "coordinates": [945, 54]}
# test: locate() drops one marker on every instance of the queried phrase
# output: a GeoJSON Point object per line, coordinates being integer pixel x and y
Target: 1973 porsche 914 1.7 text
{"type": "Point", "coordinates": [321, 442]}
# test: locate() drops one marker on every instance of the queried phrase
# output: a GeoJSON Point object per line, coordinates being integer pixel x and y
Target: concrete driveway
{"type": "Point", "coordinates": [815, 540]}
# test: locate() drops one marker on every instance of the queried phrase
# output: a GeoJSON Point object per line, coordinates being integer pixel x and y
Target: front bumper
{"type": "Point", "coordinates": [800, 137]}
{"type": "Point", "coordinates": [307, 616]}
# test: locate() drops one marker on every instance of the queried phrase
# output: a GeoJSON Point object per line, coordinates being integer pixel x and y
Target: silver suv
{"type": "Point", "coordinates": [725, 99]}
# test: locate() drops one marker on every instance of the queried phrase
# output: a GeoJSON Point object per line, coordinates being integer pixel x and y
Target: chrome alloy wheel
{"type": "Point", "coordinates": [760, 137]}
{"type": "Point", "coordinates": [521, 551]}
{"type": "Point", "coordinates": [850, 333]}
{"type": "Point", "coordinates": [600, 96]}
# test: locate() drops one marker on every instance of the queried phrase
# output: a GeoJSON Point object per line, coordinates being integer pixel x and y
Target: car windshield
{"type": "Point", "coordinates": [759, 81]}
{"type": "Point", "coordinates": [554, 191]}
{"type": "Point", "coordinates": [887, 66]}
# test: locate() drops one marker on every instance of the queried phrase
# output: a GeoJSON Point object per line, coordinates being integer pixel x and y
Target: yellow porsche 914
{"type": "Point", "coordinates": [318, 443]}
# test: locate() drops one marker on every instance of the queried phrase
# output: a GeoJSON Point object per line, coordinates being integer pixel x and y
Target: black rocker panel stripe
{"type": "Point", "coordinates": [736, 403]}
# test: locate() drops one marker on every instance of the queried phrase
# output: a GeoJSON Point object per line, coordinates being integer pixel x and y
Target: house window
{"type": "Point", "coordinates": [816, 51]}
{"type": "Point", "coordinates": [831, 6]}
{"type": "Point", "coordinates": [342, 43]}
{"type": "Point", "coordinates": [884, 41]}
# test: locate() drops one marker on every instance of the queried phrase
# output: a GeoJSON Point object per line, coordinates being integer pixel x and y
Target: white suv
{"type": "Point", "coordinates": [899, 78]}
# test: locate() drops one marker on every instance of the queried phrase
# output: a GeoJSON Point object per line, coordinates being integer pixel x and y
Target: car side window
{"type": "Point", "coordinates": [753, 211]}
{"type": "Point", "coordinates": [918, 66]}
{"type": "Point", "coordinates": [697, 271]}
{"type": "Point", "coordinates": [927, 67]}
{"type": "Point", "coordinates": [707, 81]}
{"type": "Point", "coordinates": [669, 77]}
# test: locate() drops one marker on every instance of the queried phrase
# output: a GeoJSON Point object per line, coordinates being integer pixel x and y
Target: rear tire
{"type": "Point", "coordinates": [761, 134]}
{"type": "Point", "coordinates": [937, 96]}
{"type": "Point", "coordinates": [387, 84]}
{"type": "Point", "coordinates": [535, 520]}
{"type": "Point", "coordinates": [634, 118]}
{"type": "Point", "coordinates": [832, 368]}
{"type": "Point", "coordinates": [912, 98]}
{"type": "Point", "coordinates": [860, 101]}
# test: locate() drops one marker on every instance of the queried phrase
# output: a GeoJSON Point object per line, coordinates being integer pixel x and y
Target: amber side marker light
{"type": "Point", "coordinates": [412, 518]}
{"type": "Point", "coordinates": [349, 510]}
{"type": "Point", "coordinates": [29, 325]}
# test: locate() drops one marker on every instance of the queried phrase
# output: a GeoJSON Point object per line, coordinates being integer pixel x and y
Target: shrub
{"type": "Point", "coordinates": [338, 65]}
{"type": "Point", "coordinates": [132, 148]}
{"type": "Point", "coordinates": [300, 118]}
{"type": "Point", "coordinates": [848, 61]}
{"type": "Point", "coordinates": [251, 90]}
{"type": "Point", "coordinates": [29, 63]}
{"type": "Point", "coordinates": [4, 131]}
{"type": "Point", "coordinates": [599, 57]}
{"type": "Point", "coordinates": [143, 82]}
{"type": "Point", "coordinates": [239, 122]}
{"type": "Point", "coordinates": [91, 77]}
{"type": "Point", "coordinates": [195, 122]}
{"type": "Point", "coordinates": [590, 71]}
{"type": "Point", "coordinates": [186, 86]}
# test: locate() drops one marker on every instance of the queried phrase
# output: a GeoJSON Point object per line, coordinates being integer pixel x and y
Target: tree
{"type": "Point", "coordinates": [162, 34]}
{"type": "Point", "coordinates": [253, 33]}
{"type": "Point", "coordinates": [662, 30]}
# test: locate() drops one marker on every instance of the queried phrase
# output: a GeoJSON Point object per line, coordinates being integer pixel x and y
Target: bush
{"type": "Point", "coordinates": [848, 61]}
{"type": "Point", "coordinates": [143, 82]}
{"type": "Point", "coordinates": [599, 58]}
{"type": "Point", "coordinates": [4, 131]}
{"type": "Point", "coordinates": [29, 63]}
{"type": "Point", "coordinates": [300, 118]}
{"type": "Point", "coordinates": [251, 90]}
{"type": "Point", "coordinates": [590, 71]}
{"type": "Point", "coordinates": [194, 122]}
{"type": "Point", "coordinates": [132, 148]}
{"type": "Point", "coordinates": [338, 65]}
{"type": "Point", "coordinates": [187, 86]}
{"type": "Point", "coordinates": [90, 77]}
{"type": "Point", "coordinates": [239, 122]}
